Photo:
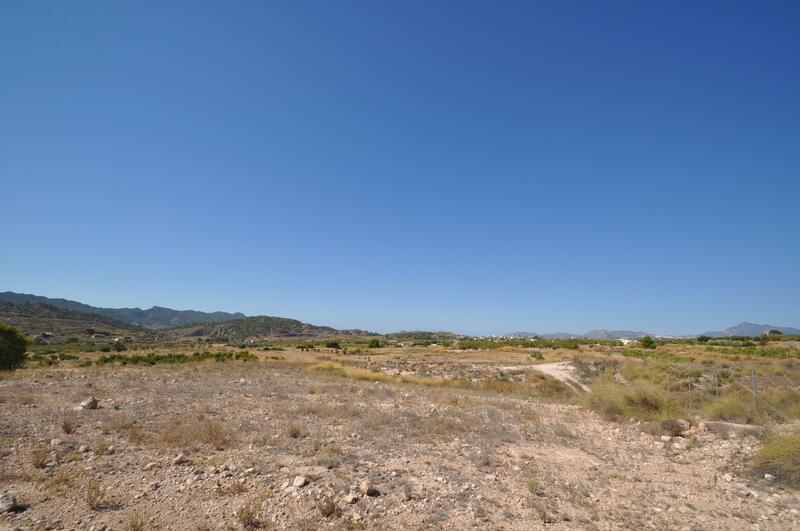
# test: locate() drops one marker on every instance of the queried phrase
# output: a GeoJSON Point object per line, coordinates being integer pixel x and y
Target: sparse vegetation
{"type": "Point", "coordinates": [780, 456]}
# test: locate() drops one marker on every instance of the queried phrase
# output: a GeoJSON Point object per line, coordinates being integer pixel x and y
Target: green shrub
{"type": "Point", "coordinates": [12, 348]}
{"type": "Point", "coordinates": [647, 342]}
{"type": "Point", "coordinates": [333, 344]}
{"type": "Point", "coordinates": [374, 343]}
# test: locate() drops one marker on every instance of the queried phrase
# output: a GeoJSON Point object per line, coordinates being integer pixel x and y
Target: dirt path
{"type": "Point", "coordinates": [562, 370]}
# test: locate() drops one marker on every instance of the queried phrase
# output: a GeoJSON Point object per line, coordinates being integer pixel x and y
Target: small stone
{"type": "Point", "coordinates": [727, 477]}
{"type": "Point", "coordinates": [367, 489]}
{"type": "Point", "coordinates": [56, 442]}
{"type": "Point", "coordinates": [769, 477]}
{"type": "Point", "coordinates": [150, 466]}
{"type": "Point", "coordinates": [83, 449]}
{"type": "Point", "coordinates": [351, 498]}
{"type": "Point", "coordinates": [8, 502]}
{"type": "Point", "coordinates": [89, 403]}
{"type": "Point", "coordinates": [226, 474]}
{"type": "Point", "coordinates": [180, 459]}
{"type": "Point", "coordinates": [299, 481]}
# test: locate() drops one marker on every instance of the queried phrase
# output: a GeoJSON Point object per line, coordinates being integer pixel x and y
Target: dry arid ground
{"type": "Point", "coordinates": [289, 444]}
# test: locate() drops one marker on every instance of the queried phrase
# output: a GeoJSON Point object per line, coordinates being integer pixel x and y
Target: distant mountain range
{"type": "Point", "coordinates": [752, 329]}
{"type": "Point", "coordinates": [35, 314]}
{"type": "Point", "coordinates": [742, 329]}
{"type": "Point", "coordinates": [155, 317]}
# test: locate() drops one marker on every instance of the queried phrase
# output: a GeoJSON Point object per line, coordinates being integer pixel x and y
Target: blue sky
{"type": "Point", "coordinates": [480, 167]}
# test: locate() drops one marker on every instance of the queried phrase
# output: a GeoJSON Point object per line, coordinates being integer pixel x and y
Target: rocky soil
{"type": "Point", "coordinates": [274, 445]}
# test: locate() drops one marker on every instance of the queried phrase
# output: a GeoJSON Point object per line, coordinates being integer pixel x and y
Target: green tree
{"type": "Point", "coordinates": [647, 342]}
{"type": "Point", "coordinates": [12, 348]}
{"type": "Point", "coordinates": [374, 343]}
{"type": "Point", "coordinates": [775, 332]}
{"type": "Point", "coordinates": [333, 344]}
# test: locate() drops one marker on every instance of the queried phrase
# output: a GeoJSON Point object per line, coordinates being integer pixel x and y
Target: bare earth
{"type": "Point", "coordinates": [438, 457]}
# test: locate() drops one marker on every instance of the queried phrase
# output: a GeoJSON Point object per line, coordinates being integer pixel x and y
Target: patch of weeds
{"type": "Point", "coordinates": [185, 433]}
{"type": "Point", "coordinates": [780, 456]}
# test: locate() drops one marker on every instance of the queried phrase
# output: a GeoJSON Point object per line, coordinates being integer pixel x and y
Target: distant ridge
{"type": "Point", "coordinates": [155, 317]}
{"type": "Point", "coordinates": [752, 329]}
{"type": "Point", "coordinates": [261, 327]}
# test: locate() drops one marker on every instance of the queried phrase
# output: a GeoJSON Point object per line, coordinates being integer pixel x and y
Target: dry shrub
{"type": "Point", "coordinates": [96, 496]}
{"type": "Point", "coordinates": [39, 457]}
{"type": "Point", "coordinates": [639, 400]}
{"type": "Point", "coordinates": [327, 507]}
{"type": "Point", "coordinates": [135, 524]}
{"type": "Point", "coordinates": [68, 425]}
{"type": "Point", "coordinates": [184, 433]}
{"type": "Point", "coordinates": [294, 430]}
{"type": "Point", "coordinates": [780, 456]}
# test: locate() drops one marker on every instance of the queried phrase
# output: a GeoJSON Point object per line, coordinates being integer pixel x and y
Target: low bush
{"type": "Point", "coordinates": [780, 456]}
{"type": "Point", "coordinates": [639, 400]}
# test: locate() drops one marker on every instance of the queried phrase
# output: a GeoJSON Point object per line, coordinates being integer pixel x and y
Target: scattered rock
{"type": "Point", "coordinates": [351, 498]}
{"type": "Point", "coordinates": [8, 502]}
{"type": "Point", "coordinates": [769, 477]}
{"type": "Point", "coordinates": [150, 466]}
{"type": "Point", "coordinates": [367, 489]}
{"type": "Point", "coordinates": [180, 459]}
{"type": "Point", "coordinates": [299, 481]}
{"type": "Point", "coordinates": [89, 403]}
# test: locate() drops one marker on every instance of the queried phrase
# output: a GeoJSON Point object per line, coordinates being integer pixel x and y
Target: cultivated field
{"type": "Point", "coordinates": [403, 437]}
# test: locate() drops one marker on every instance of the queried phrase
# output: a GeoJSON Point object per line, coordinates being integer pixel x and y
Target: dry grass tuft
{"type": "Point", "coordinates": [96, 496]}
{"type": "Point", "coordinates": [248, 515]}
{"type": "Point", "coordinates": [135, 524]}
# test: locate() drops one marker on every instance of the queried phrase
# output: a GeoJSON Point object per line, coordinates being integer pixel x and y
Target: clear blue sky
{"type": "Point", "coordinates": [480, 167]}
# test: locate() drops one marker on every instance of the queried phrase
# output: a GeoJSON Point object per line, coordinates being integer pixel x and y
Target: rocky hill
{"type": "Point", "coordinates": [752, 329]}
{"type": "Point", "coordinates": [155, 317]}
{"type": "Point", "coordinates": [260, 327]}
